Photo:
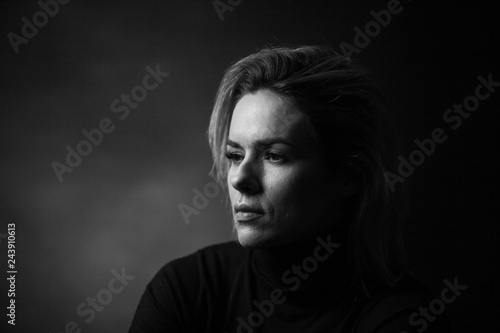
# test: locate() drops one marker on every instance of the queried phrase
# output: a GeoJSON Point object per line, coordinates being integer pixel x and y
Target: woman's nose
{"type": "Point", "coordinates": [245, 178]}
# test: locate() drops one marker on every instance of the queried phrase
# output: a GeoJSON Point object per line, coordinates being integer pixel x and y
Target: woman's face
{"type": "Point", "coordinates": [281, 188]}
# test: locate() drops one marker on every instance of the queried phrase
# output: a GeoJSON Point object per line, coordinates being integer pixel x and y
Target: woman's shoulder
{"type": "Point", "coordinates": [185, 288]}
{"type": "Point", "coordinates": [207, 264]}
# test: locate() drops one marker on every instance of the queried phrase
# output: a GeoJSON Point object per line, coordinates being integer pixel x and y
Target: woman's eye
{"type": "Point", "coordinates": [274, 157]}
{"type": "Point", "coordinates": [234, 157]}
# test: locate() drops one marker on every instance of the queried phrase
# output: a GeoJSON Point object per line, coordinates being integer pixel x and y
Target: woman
{"type": "Point", "coordinates": [300, 142]}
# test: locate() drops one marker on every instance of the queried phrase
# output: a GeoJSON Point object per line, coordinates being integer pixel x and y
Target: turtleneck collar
{"type": "Point", "coordinates": [317, 267]}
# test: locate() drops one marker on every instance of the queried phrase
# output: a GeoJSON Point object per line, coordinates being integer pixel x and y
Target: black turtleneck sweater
{"type": "Point", "coordinates": [226, 288]}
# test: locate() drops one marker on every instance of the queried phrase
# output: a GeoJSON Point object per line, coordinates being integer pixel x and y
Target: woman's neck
{"type": "Point", "coordinates": [313, 266]}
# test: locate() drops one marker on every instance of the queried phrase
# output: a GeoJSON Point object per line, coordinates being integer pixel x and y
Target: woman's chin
{"type": "Point", "coordinates": [249, 237]}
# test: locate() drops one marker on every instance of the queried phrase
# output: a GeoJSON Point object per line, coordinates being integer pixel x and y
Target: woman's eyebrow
{"type": "Point", "coordinates": [231, 143]}
{"type": "Point", "coordinates": [269, 141]}
{"type": "Point", "coordinates": [264, 142]}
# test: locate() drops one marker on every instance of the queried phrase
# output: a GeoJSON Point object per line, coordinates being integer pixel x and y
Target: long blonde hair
{"type": "Point", "coordinates": [346, 115]}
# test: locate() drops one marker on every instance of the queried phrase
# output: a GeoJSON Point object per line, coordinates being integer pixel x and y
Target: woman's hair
{"type": "Point", "coordinates": [348, 120]}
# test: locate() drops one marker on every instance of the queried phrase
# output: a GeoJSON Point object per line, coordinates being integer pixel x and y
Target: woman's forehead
{"type": "Point", "coordinates": [264, 115]}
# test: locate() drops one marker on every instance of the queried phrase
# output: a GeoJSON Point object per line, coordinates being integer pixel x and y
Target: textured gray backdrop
{"type": "Point", "coordinates": [119, 207]}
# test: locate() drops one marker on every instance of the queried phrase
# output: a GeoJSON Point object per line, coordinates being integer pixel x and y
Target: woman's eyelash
{"type": "Point", "coordinates": [275, 156]}
{"type": "Point", "coordinates": [232, 156]}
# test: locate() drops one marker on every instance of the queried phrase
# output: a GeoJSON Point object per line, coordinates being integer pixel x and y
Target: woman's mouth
{"type": "Point", "coordinates": [247, 216]}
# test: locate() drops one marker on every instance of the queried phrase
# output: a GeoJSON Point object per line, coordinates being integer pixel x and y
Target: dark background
{"type": "Point", "coordinates": [119, 207]}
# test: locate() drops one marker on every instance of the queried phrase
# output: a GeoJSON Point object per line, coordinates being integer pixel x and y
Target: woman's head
{"type": "Point", "coordinates": [281, 187]}
{"type": "Point", "coordinates": [300, 139]}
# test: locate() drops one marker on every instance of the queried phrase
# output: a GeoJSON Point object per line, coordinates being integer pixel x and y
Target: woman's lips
{"type": "Point", "coordinates": [246, 216]}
